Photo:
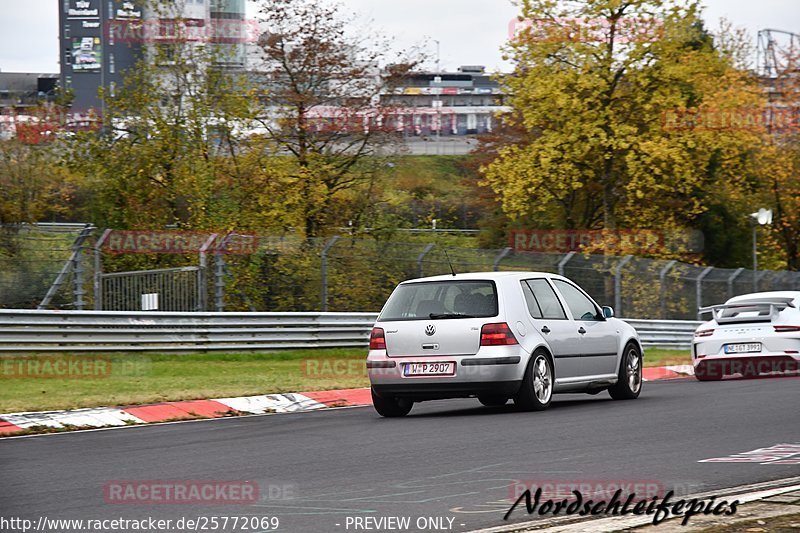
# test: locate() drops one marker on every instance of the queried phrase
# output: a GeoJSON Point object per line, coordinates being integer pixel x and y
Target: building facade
{"type": "Point", "coordinates": [465, 102]}
{"type": "Point", "coordinates": [94, 53]}
{"type": "Point", "coordinates": [23, 90]}
{"type": "Point", "coordinates": [101, 39]}
{"type": "Point", "coordinates": [20, 94]}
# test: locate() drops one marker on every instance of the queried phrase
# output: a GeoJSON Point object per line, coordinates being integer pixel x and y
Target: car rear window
{"type": "Point", "coordinates": [441, 300]}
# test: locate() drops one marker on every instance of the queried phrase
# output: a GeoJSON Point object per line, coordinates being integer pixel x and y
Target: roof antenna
{"type": "Point", "coordinates": [453, 272]}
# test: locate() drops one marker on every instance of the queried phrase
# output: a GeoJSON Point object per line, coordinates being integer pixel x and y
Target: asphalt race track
{"type": "Point", "coordinates": [452, 459]}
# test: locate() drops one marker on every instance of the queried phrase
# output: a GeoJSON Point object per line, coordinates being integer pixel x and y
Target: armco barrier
{"type": "Point", "coordinates": [665, 333]}
{"type": "Point", "coordinates": [93, 331]}
{"type": "Point", "coordinates": [50, 331]}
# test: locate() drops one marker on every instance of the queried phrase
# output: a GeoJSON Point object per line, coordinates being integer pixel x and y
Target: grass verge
{"type": "Point", "coordinates": [49, 382]}
{"type": "Point", "coordinates": [656, 357]}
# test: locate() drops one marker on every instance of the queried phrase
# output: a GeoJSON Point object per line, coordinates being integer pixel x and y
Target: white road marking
{"type": "Point", "coordinates": [780, 454]}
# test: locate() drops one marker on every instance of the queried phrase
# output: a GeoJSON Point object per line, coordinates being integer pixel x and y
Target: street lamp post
{"type": "Point", "coordinates": [760, 218]}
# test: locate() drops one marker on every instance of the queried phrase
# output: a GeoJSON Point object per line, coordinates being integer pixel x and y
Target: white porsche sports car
{"type": "Point", "coordinates": [750, 335]}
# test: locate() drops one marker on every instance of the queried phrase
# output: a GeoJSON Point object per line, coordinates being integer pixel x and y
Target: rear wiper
{"type": "Point", "coordinates": [440, 316]}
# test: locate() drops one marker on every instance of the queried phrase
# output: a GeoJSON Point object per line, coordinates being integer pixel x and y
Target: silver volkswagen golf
{"type": "Point", "coordinates": [498, 336]}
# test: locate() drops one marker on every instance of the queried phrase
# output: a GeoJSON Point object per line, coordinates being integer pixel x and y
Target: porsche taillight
{"type": "Point", "coordinates": [786, 329]}
{"type": "Point", "coordinates": [704, 333]}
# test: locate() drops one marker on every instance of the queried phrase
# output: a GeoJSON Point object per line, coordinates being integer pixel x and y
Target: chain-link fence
{"type": "Point", "coordinates": [66, 268]}
{"type": "Point", "coordinates": [45, 264]}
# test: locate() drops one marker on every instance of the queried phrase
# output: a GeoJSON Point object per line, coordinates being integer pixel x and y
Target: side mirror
{"type": "Point", "coordinates": [608, 312]}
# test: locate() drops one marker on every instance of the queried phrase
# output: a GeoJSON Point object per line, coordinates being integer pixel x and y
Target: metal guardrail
{"type": "Point", "coordinates": [665, 333]}
{"type": "Point", "coordinates": [94, 331]}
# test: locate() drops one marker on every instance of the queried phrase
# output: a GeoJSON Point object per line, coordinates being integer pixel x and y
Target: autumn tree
{"type": "Point", "coordinates": [609, 93]}
{"type": "Point", "coordinates": [321, 107]}
{"type": "Point", "coordinates": [780, 162]}
{"type": "Point", "coordinates": [494, 222]}
{"type": "Point", "coordinates": [170, 133]}
{"type": "Point", "coordinates": [35, 184]}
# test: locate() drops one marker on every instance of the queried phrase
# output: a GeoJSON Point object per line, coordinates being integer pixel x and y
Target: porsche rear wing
{"type": "Point", "coordinates": [732, 312]}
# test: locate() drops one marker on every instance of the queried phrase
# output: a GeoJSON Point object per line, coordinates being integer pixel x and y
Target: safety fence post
{"type": "Point", "coordinates": [98, 270]}
{"type": "Point", "coordinates": [202, 274]}
{"type": "Point", "coordinates": [219, 282]}
{"type": "Point", "coordinates": [662, 283]}
{"type": "Point", "coordinates": [731, 279]}
{"type": "Point", "coordinates": [699, 288]}
{"type": "Point", "coordinates": [502, 255]}
{"type": "Point", "coordinates": [421, 257]}
{"type": "Point", "coordinates": [219, 274]}
{"type": "Point", "coordinates": [73, 265]}
{"type": "Point", "coordinates": [618, 284]}
{"type": "Point", "coordinates": [564, 261]}
{"type": "Point", "coordinates": [324, 272]}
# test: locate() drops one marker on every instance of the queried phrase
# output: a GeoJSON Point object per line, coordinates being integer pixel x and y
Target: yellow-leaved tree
{"type": "Point", "coordinates": [780, 168]}
{"type": "Point", "coordinates": [623, 103]}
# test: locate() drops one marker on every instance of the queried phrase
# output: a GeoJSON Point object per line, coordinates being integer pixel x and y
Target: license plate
{"type": "Point", "coordinates": [429, 369]}
{"type": "Point", "coordinates": [743, 348]}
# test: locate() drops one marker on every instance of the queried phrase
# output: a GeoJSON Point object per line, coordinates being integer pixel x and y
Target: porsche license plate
{"type": "Point", "coordinates": [430, 369]}
{"type": "Point", "coordinates": [750, 347]}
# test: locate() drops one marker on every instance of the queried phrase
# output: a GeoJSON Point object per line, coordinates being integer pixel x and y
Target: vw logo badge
{"type": "Point", "coordinates": [430, 330]}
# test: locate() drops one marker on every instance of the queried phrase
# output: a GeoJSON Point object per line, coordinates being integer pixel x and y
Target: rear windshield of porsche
{"type": "Point", "coordinates": [441, 300]}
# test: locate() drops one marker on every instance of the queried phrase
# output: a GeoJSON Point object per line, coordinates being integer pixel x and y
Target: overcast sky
{"type": "Point", "coordinates": [471, 32]}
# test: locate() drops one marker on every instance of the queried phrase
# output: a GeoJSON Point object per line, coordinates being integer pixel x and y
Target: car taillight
{"type": "Point", "coordinates": [377, 340]}
{"type": "Point", "coordinates": [786, 329]}
{"type": "Point", "coordinates": [704, 333]}
{"type": "Point", "coordinates": [497, 335]}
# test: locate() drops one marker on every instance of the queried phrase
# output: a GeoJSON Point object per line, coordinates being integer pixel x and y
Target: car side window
{"type": "Point", "coordinates": [579, 304]}
{"type": "Point", "coordinates": [542, 300]}
{"type": "Point", "coordinates": [530, 299]}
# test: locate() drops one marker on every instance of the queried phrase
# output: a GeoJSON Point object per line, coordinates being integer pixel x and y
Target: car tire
{"type": "Point", "coordinates": [390, 407]}
{"type": "Point", "coordinates": [492, 400]}
{"type": "Point", "coordinates": [629, 377]}
{"type": "Point", "coordinates": [536, 391]}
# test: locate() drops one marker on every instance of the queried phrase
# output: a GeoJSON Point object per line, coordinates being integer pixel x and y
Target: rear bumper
{"type": "Point", "coordinates": [438, 391]}
{"type": "Point", "coordinates": [747, 364]}
{"type": "Point", "coordinates": [499, 374]}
